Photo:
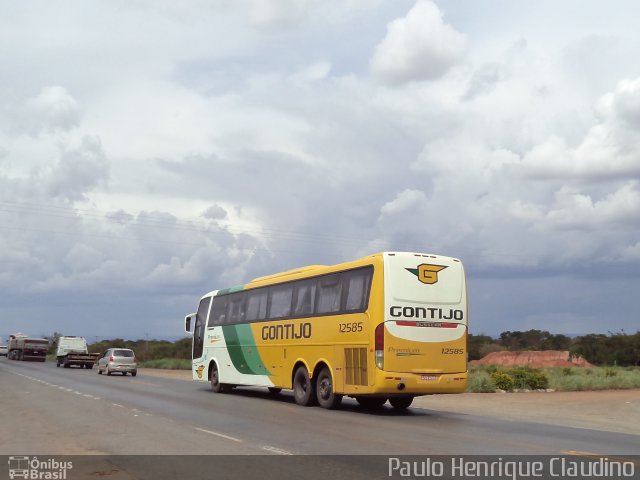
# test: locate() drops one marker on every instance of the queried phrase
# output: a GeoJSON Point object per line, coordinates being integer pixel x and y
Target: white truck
{"type": "Point", "coordinates": [73, 351]}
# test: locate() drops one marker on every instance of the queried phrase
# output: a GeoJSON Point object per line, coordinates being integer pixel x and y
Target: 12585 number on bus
{"type": "Point", "coordinates": [350, 327]}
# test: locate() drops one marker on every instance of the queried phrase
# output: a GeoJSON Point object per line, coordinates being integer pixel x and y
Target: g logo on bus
{"type": "Point", "coordinates": [427, 273]}
{"type": "Point", "coordinates": [200, 369]}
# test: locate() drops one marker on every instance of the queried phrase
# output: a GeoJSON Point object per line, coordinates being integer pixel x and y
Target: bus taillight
{"type": "Point", "coordinates": [380, 346]}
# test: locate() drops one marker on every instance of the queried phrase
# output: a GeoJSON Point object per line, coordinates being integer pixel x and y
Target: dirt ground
{"type": "Point", "coordinates": [608, 410]}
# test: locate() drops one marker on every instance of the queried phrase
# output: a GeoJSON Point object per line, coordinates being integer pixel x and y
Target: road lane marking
{"type": "Point", "coordinates": [117, 405]}
{"type": "Point", "coordinates": [218, 434]}
{"type": "Point", "coordinates": [277, 451]}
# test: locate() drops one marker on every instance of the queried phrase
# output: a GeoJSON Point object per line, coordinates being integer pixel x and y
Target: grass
{"type": "Point", "coordinates": [167, 364]}
{"type": "Point", "coordinates": [481, 380]}
{"type": "Point", "coordinates": [561, 379]}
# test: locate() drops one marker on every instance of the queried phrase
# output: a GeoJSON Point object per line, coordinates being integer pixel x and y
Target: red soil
{"type": "Point", "coordinates": [548, 358]}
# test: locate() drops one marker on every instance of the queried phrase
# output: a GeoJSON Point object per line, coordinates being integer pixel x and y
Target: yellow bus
{"type": "Point", "coordinates": [390, 326]}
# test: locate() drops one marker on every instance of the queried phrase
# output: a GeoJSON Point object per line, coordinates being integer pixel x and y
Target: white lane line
{"type": "Point", "coordinates": [117, 405]}
{"type": "Point", "coordinates": [277, 451]}
{"type": "Point", "coordinates": [218, 434]}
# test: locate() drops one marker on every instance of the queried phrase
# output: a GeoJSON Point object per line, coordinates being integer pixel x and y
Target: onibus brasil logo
{"type": "Point", "coordinates": [35, 469]}
{"type": "Point", "coordinates": [427, 273]}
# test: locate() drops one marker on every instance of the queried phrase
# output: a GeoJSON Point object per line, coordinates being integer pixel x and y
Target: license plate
{"type": "Point", "coordinates": [428, 378]}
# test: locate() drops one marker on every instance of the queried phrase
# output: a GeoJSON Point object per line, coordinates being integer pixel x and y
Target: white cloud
{"type": "Point", "coordinates": [405, 200]}
{"type": "Point", "coordinates": [275, 15]}
{"type": "Point", "coordinates": [419, 46]}
{"type": "Point", "coordinates": [79, 171]}
{"type": "Point", "coordinates": [54, 109]}
{"type": "Point", "coordinates": [199, 147]}
{"type": "Point", "coordinates": [610, 148]}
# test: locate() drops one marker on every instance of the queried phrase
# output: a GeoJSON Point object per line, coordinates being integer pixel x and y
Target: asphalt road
{"type": "Point", "coordinates": [56, 411]}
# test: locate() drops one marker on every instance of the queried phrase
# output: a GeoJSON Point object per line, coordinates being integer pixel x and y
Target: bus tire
{"type": "Point", "coordinates": [327, 398]}
{"type": "Point", "coordinates": [216, 386]}
{"type": "Point", "coordinates": [371, 402]}
{"type": "Point", "coordinates": [401, 403]}
{"type": "Point", "coordinates": [303, 387]}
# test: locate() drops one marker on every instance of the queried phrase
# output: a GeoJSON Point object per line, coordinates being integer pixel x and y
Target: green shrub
{"type": "Point", "coordinates": [520, 376]}
{"type": "Point", "coordinates": [537, 380]}
{"type": "Point", "coordinates": [502, 380]}
{"type": "Point", "coordinates": [167, 364]}
{"type": "Point", "coordinates": [529, 378]}
{"type": "Point", "coordinates": [480, 382]}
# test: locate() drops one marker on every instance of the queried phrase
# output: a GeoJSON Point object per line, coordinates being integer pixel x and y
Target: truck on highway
{"type": "Point", "coordinates": [22, 347]}
{"type": "Point", "coordinates": [73, 351]}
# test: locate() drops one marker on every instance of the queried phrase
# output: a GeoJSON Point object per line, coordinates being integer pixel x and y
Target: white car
{"type": "Point", "coordinates": [3, 350]}
{"type": "Point", "coordinates": [121, 360]}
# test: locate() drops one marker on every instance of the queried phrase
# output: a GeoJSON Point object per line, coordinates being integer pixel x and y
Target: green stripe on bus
{"type": "Point", "coordinates": [224, 291]}
{"type": "Point", "coordinates": [250, 351]}
{"type": "Point", "coordinates": [242, 350]}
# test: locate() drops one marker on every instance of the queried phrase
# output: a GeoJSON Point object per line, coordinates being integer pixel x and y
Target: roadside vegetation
{"type": "Point", "coordinates": [490, 378]}
{"type": "Point", "coordinates": [614, 349]}
{"type": "Point", "coordinates": [167, 363]}
{"type": "Point", "coordinates": [616, 357]}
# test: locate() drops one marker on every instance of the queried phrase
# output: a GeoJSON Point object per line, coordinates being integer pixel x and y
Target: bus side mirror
{"type": "Point", "coordinates": [187, 323]}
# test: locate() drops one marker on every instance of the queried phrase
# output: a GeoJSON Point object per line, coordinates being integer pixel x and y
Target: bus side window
{"type": "Point", "coordinates": [330, 289]}
{"type": "Point", "coordinates": [357, 284]}
{"type": "Point", "coordinates": [236, 308]}
{"type": "Point", "coordinates": [257, 304]}
{"type": "Point", "coordinates": [280, 305]}
{"type": "Point", "coordinates": [304, 298]}
{"type": "Point", "coordinates": [218, 311]}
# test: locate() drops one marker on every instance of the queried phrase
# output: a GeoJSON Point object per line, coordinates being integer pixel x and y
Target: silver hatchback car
{"type": "Point", "coordinates": [121, 360]}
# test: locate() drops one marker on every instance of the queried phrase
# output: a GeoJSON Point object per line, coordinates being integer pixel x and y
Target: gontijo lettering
{"type": "Point", "coordinates": [286, 331]}
{"type": "Point", "coordinates": [424, 312]}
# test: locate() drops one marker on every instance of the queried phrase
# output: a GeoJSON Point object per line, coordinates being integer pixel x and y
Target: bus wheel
{"type": "Point", "coordinates": [401, 403]}
{"type": "Point", "coordinates": [302, 387]}
{"type": "Point", "coordinates": [371, 402]}
{"type": "Point", "coordinates": [327, 398]}
{"type": "Point", "coordinates": [216, 386]}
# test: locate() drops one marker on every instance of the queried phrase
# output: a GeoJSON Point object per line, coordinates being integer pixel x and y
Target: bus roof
{"type": "Point", "coordinates": [295, 272]}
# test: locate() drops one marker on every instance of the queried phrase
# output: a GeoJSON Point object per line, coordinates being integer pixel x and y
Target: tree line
{"type": "Point", "coordinates": [599, 349]}
{"type": "Point", "coordinates": [144, 349]}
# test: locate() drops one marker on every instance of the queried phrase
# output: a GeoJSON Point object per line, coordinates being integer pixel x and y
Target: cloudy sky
{"type": "Point", "coordinates": [153, 150]}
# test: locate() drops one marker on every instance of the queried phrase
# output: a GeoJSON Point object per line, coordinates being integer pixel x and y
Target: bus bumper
{"type": "Point", "coordinates": [403, 383]}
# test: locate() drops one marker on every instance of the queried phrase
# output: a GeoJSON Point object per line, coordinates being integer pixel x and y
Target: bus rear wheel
{"type": "Point", "coordinates": [327, 398]}
{"type": "Point", "coordinates": [216, 386]}
{"type": "Point", "coordinates": [371, 402]}
{"type": "Point", "coordinates": [302, 387]}
{"type": "Point", "coordinates": [401, 403]}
